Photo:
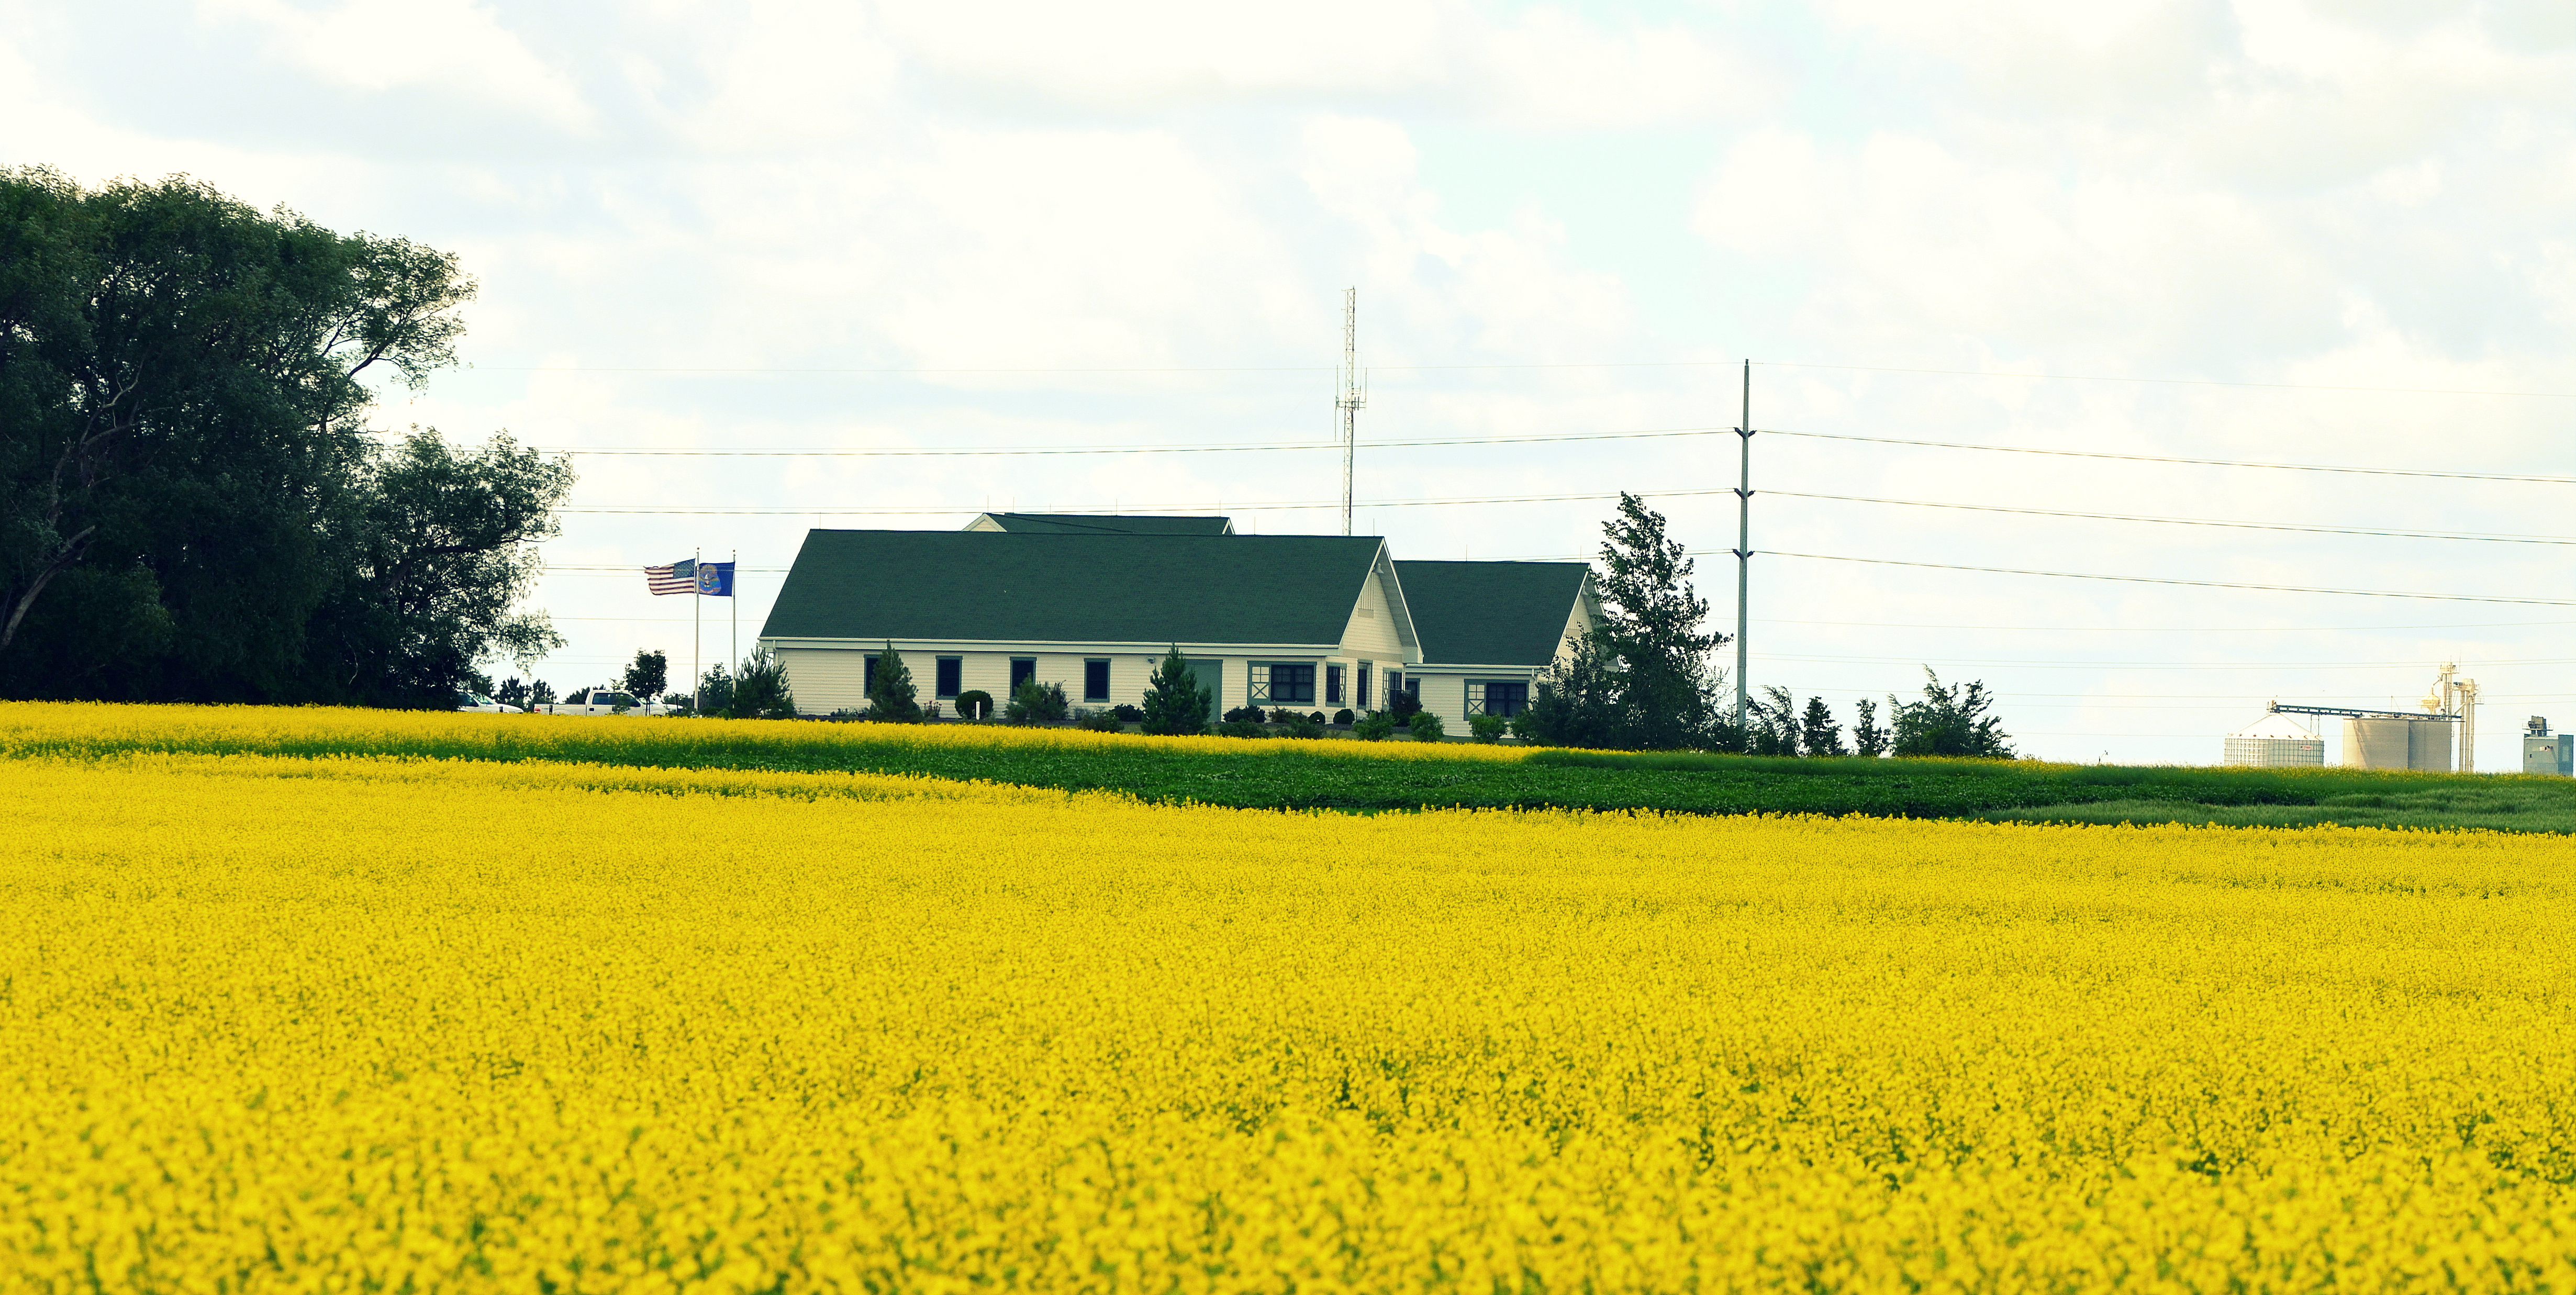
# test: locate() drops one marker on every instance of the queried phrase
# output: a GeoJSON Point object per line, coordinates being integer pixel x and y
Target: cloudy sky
{"type": "Point", "coordinates": [2334, 233]}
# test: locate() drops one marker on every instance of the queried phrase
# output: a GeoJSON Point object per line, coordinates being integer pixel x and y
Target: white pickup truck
{"type": "Point", "coordinates": [603, 701]}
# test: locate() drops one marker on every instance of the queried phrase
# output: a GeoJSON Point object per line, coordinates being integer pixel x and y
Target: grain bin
{"type": "Point", "coordinates": [2428, 745]}
{"type": "Point", "coordinates": [2377, 743]}
{"type": "Point", "coordinates": [2274, 740]}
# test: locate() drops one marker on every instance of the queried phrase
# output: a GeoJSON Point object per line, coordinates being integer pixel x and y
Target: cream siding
{"type": "Point", "coordinates": [826, 679]}
{"type": "Point", "coordinates": [1371, 632]}
{"type": "Point", "coordinates": [829, 679]}
{"type": "Point", "coordinates": [1578, 621]}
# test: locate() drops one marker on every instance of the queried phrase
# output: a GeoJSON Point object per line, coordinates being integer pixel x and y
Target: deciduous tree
{"type": "Point", "coordinates": [190, 505]}
{"type": "Point", "coordinates": [1951, 719]}
{"type": "Point", "coordinates": [649, 673]}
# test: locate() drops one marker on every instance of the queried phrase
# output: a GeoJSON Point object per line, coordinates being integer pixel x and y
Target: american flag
{"type": "Point", "coordinates": [678, 578]}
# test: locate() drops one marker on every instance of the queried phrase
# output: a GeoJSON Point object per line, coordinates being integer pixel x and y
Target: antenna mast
{"type": "Point", "coordinates": [1354, 393]}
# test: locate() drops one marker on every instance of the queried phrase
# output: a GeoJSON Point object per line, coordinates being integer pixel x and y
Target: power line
{"type": "Point", "coordinates": [2159, 629]}
{"type": "Point", "coordinates": [2173, 382]}
{"type": "Point", "coordinates": [2160, 580]}
{"type": "Point", "coordinates": [2304, 528]}
{"type": "Point", "coordinates": [2070, 664]}
{"type": "Point", "coordinates": [1001, 451]}
{"type": "Point", "coordinates": [2210, 463]}
{"type": "Point", "coordinates": [1194, 508]}
{"type": "Point", "coordinates": [1077, 370]}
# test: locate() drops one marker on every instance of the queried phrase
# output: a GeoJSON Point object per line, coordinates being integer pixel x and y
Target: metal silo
{"type": "Point", "coordinates": [2428, 745]}
{"type": "Point", "coordinates": [2376, 743]}
{"type": "Point", "coordinates": [2389, 739]}
{"type": "Point", "coordinates": [2274, 740]}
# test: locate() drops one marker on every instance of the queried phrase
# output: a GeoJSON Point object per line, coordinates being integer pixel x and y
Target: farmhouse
{"type": "Point", "coordinates": [1308, 622]}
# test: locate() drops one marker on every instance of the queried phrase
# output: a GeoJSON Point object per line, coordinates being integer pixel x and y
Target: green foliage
{"type": "Point", "coordinates": [1101, 721]}
{"type": "Point", "coordinates": [1404, 704]}
{"type": "Point", "coordinates": [1245, 715]}
{"type": "Point", "coordinates": [1242, 728]}
{"type": "Point", "coordinates": [190, 504]}
{"type": "Point", "coordinates": [1818, 734]}
{"type": "Point", "coordinates": [1487, 729]}
{"type": "Point", "coordinates": [1376, 726]}
{"type": "Point", "coordinates": [1651, 626]}
{"type": "Point", "coordinates": [1344, 717]}
{"type": "Point", "coordinates": [649, 675]}
{"type": "Point", "coordinates": [760, 692]}
{"type": "Point", "coordinates": [512, 692]}
{"type": "Point", "coordinates": [972, 704]}
{"type": "Point", "coordinates": [1771, 722]}
{"type": "Point", "coordinates": [1305, 726]}
{"type": "Point", "coordinates": [1580, 698]}
{"type": "Point", "coordinates": [715, 692]}
{"type": "Point", "coordinates": [541, 693]}
{"type": "Point", "coordinates": [1034, 703]}
{"type": "Point", "coordinates": [1174, 701]}
{"type": "Point", "coordinates": [1867, 737]}
{"type": "Point", "coordinates": [891, 697]}
{"type": "Point", "coordinates": [1950, 720]}
{"type": "Point", "coordinates": [1127, 714]}
{"type": "Point", "coordinates": [1426, 727]}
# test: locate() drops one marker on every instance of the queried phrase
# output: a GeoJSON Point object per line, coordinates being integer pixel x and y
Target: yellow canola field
{"type": "Point", "coordinates": [271, 1024]}
{"type": "Point", "coordinates": [88, 729]}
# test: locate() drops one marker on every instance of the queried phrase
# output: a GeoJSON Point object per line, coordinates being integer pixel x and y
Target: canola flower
{"type": "Point", "coordinates": [95, 728]}
{"type": "Point", "coordinates": [369, 1023]}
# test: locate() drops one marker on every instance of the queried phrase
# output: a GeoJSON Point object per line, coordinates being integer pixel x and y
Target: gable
{"type": "Point", "coordinates": [1380, 628]}
{"type": "Point", "coordinates": [1002, 586]}
{"type": "Point", "coordinates": [1494, 613]}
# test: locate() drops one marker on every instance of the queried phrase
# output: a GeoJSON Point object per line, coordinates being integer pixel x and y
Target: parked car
{"type": "Point", "coordinates": [476, 701]}
{"type": "Point", "coordinates": [604, 701]}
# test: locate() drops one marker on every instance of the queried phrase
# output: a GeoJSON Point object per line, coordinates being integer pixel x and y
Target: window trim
{"type": "Point", "coordinates": [1478, 699]}
{"type": "Point", "coordinates": [1105, 679]}
{"type": "Point", "coordinates": [1017, 676]}
{"type": "Point", "coordinates": [938, 677]}
{"type": "Point", "coordinates": [1362, 691]}
{"type": "Point", "coordinates": [1258, 687]}
{"type": "Point", "coordinates": [1336, 683]}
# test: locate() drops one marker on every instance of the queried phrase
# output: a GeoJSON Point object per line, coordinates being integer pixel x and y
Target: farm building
{"type": "Point", "coordinates": [1308, 622]}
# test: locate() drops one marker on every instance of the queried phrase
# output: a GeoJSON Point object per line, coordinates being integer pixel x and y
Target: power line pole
{"type": "Point", "coordinates": [1743, 542]}
{"type": "Point", "coordinates": [1354, 393]}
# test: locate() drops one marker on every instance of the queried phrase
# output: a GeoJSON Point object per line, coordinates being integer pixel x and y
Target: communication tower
{"type": "Point", "coordinates": [1354, 394]}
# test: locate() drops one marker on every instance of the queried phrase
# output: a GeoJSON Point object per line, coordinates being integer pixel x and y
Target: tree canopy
{"type": "Point", "coordinates": [191, 505]}
{"type": "Point", "coordinates": [1641, 679]}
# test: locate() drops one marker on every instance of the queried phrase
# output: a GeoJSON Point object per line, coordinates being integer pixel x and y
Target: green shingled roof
{"type": "Point", "coordinates": [1109, 524]}
{"type": "Point", "coordinates": [1490, 613]}
{"type": "Point", "coordinates": [981, 586]}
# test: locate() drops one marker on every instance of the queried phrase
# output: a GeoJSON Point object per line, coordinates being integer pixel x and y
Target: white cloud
{"type": "Point", "coordinates": [1542, 67]}
{"type": "Point", "coordinates": [454, 47]}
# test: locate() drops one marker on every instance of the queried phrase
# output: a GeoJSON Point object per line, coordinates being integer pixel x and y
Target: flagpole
{"type": "Point", "coordinates": [697, 650]}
